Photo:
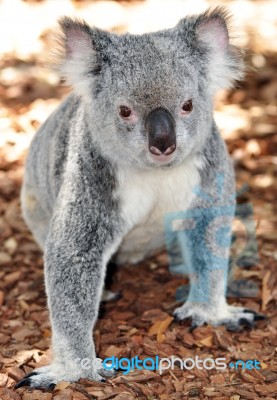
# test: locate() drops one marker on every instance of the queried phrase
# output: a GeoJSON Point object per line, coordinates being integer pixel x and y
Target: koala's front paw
{"type": "Point", "coordinates": [47, 377]}
{"type": "Point", "coordinates": [234, 318]}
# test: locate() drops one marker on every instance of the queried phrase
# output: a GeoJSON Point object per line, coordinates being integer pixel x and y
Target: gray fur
{"type": "Point", "coordinates": [91, 189]}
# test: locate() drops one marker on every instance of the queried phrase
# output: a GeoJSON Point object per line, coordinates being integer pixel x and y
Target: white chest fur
{"type": "Point", "coordinates": [146, 196]}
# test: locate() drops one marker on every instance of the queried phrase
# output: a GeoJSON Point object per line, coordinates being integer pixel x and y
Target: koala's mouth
{"type": "Point", "coordinates": [162, 159]}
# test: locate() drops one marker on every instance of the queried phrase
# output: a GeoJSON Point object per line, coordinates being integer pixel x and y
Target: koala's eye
{"type": "Point", "coordinates": [125, 111]}
{"type": "Point", "coordinates": [187, 106]}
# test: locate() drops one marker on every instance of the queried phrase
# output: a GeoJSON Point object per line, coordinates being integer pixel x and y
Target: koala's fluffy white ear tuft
{"type": "Point", "coordinates": [77, 36]}
{"type": "Point", "coordinates": [212, 29]}
{"type": "Point", "coordinates": [77, 57]}
{"type": "Point", "coordinates": [225, 60]}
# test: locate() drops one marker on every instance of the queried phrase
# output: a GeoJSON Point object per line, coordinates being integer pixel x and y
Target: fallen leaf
{"type": "Point", "coordinates": [159, 327]}
{"type": "Point", "coordinates": [62, 385]}
{"type": "Point", "coordinates": [266, 293]}
{"type": "Point", "coordinates": [208, 341]}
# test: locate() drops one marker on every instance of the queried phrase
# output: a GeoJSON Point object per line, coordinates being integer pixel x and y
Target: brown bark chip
{"type": "Point", "coordinates": [140, 323]}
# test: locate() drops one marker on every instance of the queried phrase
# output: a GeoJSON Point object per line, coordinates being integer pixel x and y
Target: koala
{"type": "Point", "coordinates": [124, 149]}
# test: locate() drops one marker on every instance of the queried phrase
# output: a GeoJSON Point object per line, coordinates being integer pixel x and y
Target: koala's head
{"type": "Point", "coordinates": [148, 98]}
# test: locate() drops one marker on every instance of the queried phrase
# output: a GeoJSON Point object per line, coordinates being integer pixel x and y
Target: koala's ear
{"type": "Point", "coordinates": [225, 60]}
{"type": "Point", "coordinates": [79, 53]}
{"type": "Point", "coordinates": [211, 31]}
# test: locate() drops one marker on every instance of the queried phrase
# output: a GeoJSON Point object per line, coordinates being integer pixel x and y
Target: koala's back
{"type": "Point", "coordinates": [44, 167]}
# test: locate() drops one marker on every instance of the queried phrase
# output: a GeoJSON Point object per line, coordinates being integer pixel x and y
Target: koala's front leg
{"type": "Point", "coordinates": [84, 232]}
{"type": "Point", "coordinates": [205, 242]}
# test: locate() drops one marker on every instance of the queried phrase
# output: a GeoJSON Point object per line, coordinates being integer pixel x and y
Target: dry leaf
{"type": "Point", "coordinates": [208, 341]}
{"type": "Point", "coordinates": [247, 117]}
{"type": "Point", "coordinates": [266, 293]}
{"type": "Point", "coordinates": [62, 385]}
{"type": "Point", "coordinates": [159, 327]}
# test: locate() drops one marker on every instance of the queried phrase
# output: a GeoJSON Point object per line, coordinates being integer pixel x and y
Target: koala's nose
{"type": "Point", "coordinates": [160, 126]}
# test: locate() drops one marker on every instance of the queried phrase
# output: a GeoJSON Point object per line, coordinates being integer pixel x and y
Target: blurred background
{"type": "Point", "coordinates": [247, 118]}
{"type": "Point", "coordinates": [247, 115]}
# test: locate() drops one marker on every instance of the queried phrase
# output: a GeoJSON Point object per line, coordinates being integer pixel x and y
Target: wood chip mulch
{"type": "Point", "coordinates": [139, 323]}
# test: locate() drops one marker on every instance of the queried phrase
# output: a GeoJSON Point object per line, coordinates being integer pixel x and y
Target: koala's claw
{"type": "Point", "coordinates": [51, 386]}
{"type": "Point", "coordinates": [245, 322]}
{"type": "Point", "coordinates": [257, 316]}
{"type": "Point", "coordinates": [192, 327]}
{"type": "Point", "coordinates": [234, 318]}
{"type": "Point", "coordinates": [48, 377]}
{"type": "Point", "coordinates": [23, 382]}
{"type": "Point", "coordinates": [28, 382]}
{"type": "Point", "coordinates": [31, 374]}
{"type": "Point", "coordinates": [239, 325]}
{"type": "Point", "coordinates": [37, 380]}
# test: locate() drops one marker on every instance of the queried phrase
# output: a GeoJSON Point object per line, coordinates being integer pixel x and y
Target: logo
{"type": "Point", "coordinates": [163, 364]}
{"type": "Point", "coordinates": [217, 235]}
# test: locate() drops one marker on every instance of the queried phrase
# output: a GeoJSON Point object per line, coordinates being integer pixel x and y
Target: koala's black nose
{"type": "Point", "coordinates": [160, 126]}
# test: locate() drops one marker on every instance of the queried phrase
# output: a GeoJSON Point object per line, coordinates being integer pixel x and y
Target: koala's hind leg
{"type": "Point", "coordinates": [34, 215]}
